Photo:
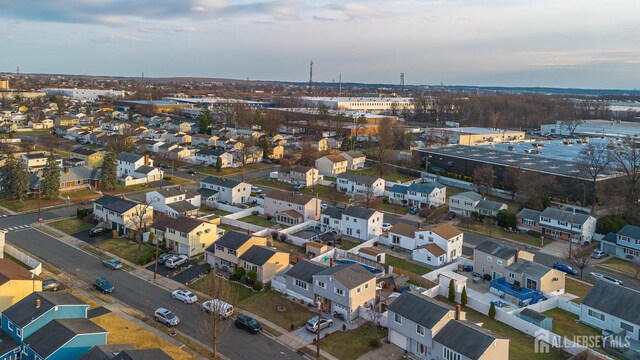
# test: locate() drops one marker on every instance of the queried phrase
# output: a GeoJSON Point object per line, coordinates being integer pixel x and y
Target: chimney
{"type": "Point", "coordinates": [146, 159]}
{"type": "Point", "coordinates": [38, 303]}
{"type": "Point", "coordinates": [458, 312]}
{"type": "Point", "coordinates": [517, 253]}
{"type": "Point", "coordinates": [331, 262]}
{"type": "Point", "coordinates": [66, 169]}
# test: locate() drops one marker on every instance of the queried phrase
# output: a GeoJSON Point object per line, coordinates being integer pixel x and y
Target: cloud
{"type": "Point", "coordinates": [323, 19]}
{"type": "Point", "coordinates": [187, 29]}
{"type": "Point", "coordinates": [114, 38]}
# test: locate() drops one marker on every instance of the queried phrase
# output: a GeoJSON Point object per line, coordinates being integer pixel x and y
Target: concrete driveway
{"type": "Point", "coordinates": [305, 337]}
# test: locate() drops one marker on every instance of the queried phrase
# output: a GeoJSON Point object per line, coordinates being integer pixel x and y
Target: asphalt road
{"type": "Point", "coordinates": [143, 295]}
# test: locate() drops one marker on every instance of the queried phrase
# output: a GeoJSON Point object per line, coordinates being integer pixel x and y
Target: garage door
{"type": "Point", "coordinates": [398, 339]}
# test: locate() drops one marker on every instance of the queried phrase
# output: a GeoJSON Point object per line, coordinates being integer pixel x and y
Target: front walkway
{"type": "Point", "coordinates": [385, 352]}
{"type": "Point", "coordinates": [558, 248]}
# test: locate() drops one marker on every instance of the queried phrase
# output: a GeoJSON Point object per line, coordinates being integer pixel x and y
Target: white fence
{"type": "Point", "coordinates": [465, 185]}
{"type": "Point", "coordinates": [240, 213]}
{"type": "Point", "coordinates": [279, 284]}
{"type": "Point", "coordinates": [241, 224]}
{"type": "Point", "coordinates": [570, 307]}
{"type": "Point", "coordinates": [129, 182]}
{"type": "Point", "coordinates": [433, 275]}
{"type": "Point", "coordinates": [35, 265]}
{"type": "Point", "coordinates": [368, 243]}
{"type": "Point", "coordinates": [227, 207]}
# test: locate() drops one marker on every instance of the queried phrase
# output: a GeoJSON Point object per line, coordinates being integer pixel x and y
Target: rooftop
{"type": "Point", "coordinates": [466, 338]}
{"type": "Point", "coordinates": [290, 197]}
{"type": "Point", "coordinates": [614, 300]}
{"type": "Point", "coordinates": [477, 130]}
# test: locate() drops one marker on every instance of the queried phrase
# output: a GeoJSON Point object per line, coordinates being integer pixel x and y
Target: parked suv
{"type": "Point", "coordinates": [101, 284]}
{"type": "Point", "coordinates": [166, 317]}
{"type": "Point", "coordinates": [174, 262]}
{"type": "Point", "coordinates": [313, 325]}
{"type": "Point", "coordinates": [599, 254]}
{"type": "Point", "coordinates": [248, 323]}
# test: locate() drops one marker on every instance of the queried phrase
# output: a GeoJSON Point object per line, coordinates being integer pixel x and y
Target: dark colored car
{"type": "Point", "coordinates": [101, 284]}
{"type": "Point", "coordinates": [192, 172]}
{"type": "Point", "coordinates": [248, 323]}
{"type": "Point", "coordinates": [414, 210]}
{"type": "Point", "coordinates": [565, 268]}
{"type": "Point", "coordinates": [97, 231]}
{"type": "Point", "coordinates": [51, 285]}
{"type": "Point", "coordinates": [267, 161]}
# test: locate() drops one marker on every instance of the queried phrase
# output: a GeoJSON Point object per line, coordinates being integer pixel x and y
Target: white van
{"type": "Point", "coordinates": [223, 308]}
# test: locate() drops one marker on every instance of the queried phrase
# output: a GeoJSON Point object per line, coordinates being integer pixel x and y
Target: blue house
{"type": "Point", "coordinates": [625, 243]}
{"type": "Point", "coordinates": [420, 195]}
{"type": "Point", "coordinates": [47, 325]}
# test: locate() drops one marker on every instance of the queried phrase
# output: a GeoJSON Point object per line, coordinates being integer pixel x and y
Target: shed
{"type": "Point", "coordinates": [536, 318]}
{"type": "Point", "coordinates": [373, 254]}
{"type": "Point", "coordinates": [316, 248]}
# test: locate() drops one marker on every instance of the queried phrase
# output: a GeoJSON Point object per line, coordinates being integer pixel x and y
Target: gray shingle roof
{"type": "Point", "coordinates": [83, 151]}
{"type": "Point", "coordinates": [367, 180]}
{"type": "Point", "coordinates": [465, 338]}
{"type": "Point", "coordinates": [182, 206]}
{"type": "Point", "coordinates": [630, 231]}
{"type": "Point", "coordinates": [426, 188]}
{"type": "Point", "coordinates": [143, 354]}
{"type": "Point", "coordinates": [529, 267]}
{"type": "Point", "coordinates": [258, 255]}
{"type": "Point", "coordinates": [129, 157]}
{"type": "Point", "coordinates": [300, 199]}
{"type": "Point", "coordinates": [304, 270]}
{"type": "Point", "coordinates": [52, 336]}
{"type": "Point", "coordinates": [115, 203]}
{"type": "Point", "coordinates": [358, 212]}
{"type": "Point", "coordinates": [24, 311]}
{"type": "Point", "coordinates": [206, 193]}
{"type": "Point", "coordinates": [529, 214]}
{"type": "Point", "coordinates": [170, 191]}
{"type": "Point", "coordinates": [145, 169]}
{"type": "Point", "coordinates": [615, 300]}
{"type": "Point", "coordinates": [500, 250]}
{"type": "Point", "coordinates": [7, 343]}
{"type": "Point", "coordinates": [105, 352]}
{"type": "Point", "coordinates": [471, 195]}
{"type": "Point", "coordinates": [562, 215]}
{"type": "Point", "coordinates": [489, 205]}
{"type": "Point", "coordinates": [231, 240]}
{"type": "Point", "coordinates": [218, 181]}
{"type": "Point", "coordinates": [419, 308]}
{"type": "Point", "coordinates": [349, 275]}
{"type": "Point", "coordinates": [532, 314]}
{"type": "Point", "coordinates": [184, 224]}
{"type": "Point", "coordinates": [333, 212]}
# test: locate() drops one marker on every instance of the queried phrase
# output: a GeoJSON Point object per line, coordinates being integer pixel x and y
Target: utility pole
{"type": "Point", "coordinates": [318, 332]}
{"type": "Point", "coordinates": [310, 76]}
{"type": "Point", "coordinates": [402, 84]}
{"type": "Point", "coordinates": [339, 84]}
{"type": "Point", "coordinates": [155, 270]}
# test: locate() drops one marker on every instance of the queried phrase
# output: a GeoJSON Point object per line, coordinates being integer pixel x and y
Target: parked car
{"type": "Point", "coordinates": [224, 309]}
{"type": "Point", "coordinates": [113, 264]}
{"type": "Point", "coordinates": [97, 231]}
{"type": "Point", "coordinates": [386, 226]}
{"type": "Point", "coordinates": [248, 323]}
{"type": "Point", "coordinates": [299, 187]}
{"type": "Point", "coordinates": [102, 284]}
{"type": "Point", "coordinates": [175, 261]}
{"type": "Point", "coordinates": [414, 210]}
{"type": "Point", "coordinates": [166, 317]}
{"type": "Point", "coordinates": [192, 172]}
{"type": "Point", "coordinates": [565, 268]}
{"type": "Point", "coordinates": [450, 215]}
{"type": "Point", "coordinates": [163, 257]}
{"type": "Point", "coordinates": [324, 206]}
{"type": "Point", "coordinates": [606, 278]}
{"type": "Point", "coordinates": [185, 296]}
{"type": "Point", "coordinates": [267, 161]}
{"type": "Point", "coordinates": [255, 189]}
{"type": "Point", "coordinates": [599, 254]}
{"type": "Point", "coordinates": [313, 324]}
{"type": "Point", "coordinates": [50, 285]}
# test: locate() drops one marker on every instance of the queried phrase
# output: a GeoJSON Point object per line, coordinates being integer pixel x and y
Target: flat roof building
{"type": "Point", "coordinates": [476, 135]}
{"type": "Point", "coordinates": [607, 128]}
{"type": "Point", "coordinates": [367, 104]}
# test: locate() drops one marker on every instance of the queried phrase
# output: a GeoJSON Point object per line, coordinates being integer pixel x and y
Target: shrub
{"type": "Point", "coordinates": [374, 343]}
{"type": "Point", "coordinates": [609, 223]}
{"type": "Point", "coordinates": [292, 327]}
{"type": "Point", "coordinates": [463, 296]}
{"type": "Point", "coordinates": [252, 276]}
{"type": "Point", "coordinates": [385, 199]}
{"type": "Point", "coordinates": [239, 273]}
{"type": "Point", "coordinates": [257, 286]}
{"type": "Point", "coordinates": [167, 178]}
{"type": "Point", "coordinates": [274, 235]}
{"type": "Point", "coordinates": [267, 286]}
{"type": "Point", "coordinates": [492, 311]}
{"type": "Point", "coordinates": [344, 327]}
{"type": "Point", "coordinates": [534, 234]}
{"type": "Point", "coordinates": [506, 219]}
{"type": "Point", "coordinates": [283, 237]}
{"type": "Point", "coordinates": [452, 291]}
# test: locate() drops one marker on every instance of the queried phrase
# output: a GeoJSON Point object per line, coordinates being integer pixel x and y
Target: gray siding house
{"type": "Point", "coordinates": [299, 279]}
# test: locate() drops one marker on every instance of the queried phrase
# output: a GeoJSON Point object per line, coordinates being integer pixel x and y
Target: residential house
{"type": "Point", "coordinates": [124, 352]}
{"type": "Point", "coordinates": [534, 276]}
{"type": "Point", "coordinates": [225, 253]}
{"type": "Point", "coordinates": [359, 184]}
{"type": "Point", "coordinates": [136, 166]}
{"type": "Point", "coordinates": [174, 202]}
{"type": "Point", "coordinates": [345, 289]}
{"type": "Point", "coordinates": [356, 222]}
{"type": "Point", "coordinates": [276, 153]}
{"type": "Point", "coordinates": [299, 174]}
{"type": "Point", "coordinates": [420, 195]}
{"type": "Point", "coordinates": [16, 283]}
{"type": "Point", "coordinates": [331, 219]}
{"type": "Point", "coordinates": [178, 138]}
{"type": "Point", "coordinates": [180, 152]}
{"type": "Point", "coordinates": [490, 208]}
{"type": "Point", "coordinates": [567, 225]}
{"type": "Point", "coordinates": [189, 236]}
{"type": "Point", "coordinates": [71, 179]}
{"type": "Point", "coordinates": [121, 214]}
{"type": "Point", "coordinates": [464, 340]}
{"type": "Point", "coordinates": [64, 339]}
{"type": "Point", "coordinates": [490, 257]}
{"type": "Point", "coordinates": [437, 245]}
{"type": "Point", "coordinates": [355, 159]}
{"type": "Point", "coordinates": [92, 158]}
{"type": "Point", "coordinates": [203, 140]}
{"type": "Point", "coordinates": [464, 203]}
{"type": "Point", "coordinates": [331, 165]}
{"type": "Point", "coordinates": [319, 144]}
{"type": "Point", "coordinates": [403, 235]}
{"type": "Point", "coordinates": [230, 191]}
{"type": "Point", "coordinates": [290, 209]}
{"type": "Point", "coordinates": [528, 219]}
{"type": "Point", "coordinates": [299, 280]}
{"type": "Point", "coordinates": [613, 308]}
{"type": "Point", "coordinates": [37, 161]}
{"type": "Point", "coordinates": [67, 121]}
{"type": "Point", "coordinates": [265, 261]}
{"type": "Point", "coordinates": [625, 243]}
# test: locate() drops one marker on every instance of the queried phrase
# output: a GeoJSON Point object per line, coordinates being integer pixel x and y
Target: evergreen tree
{"type": "Point", "coordinates": [205, 120]}
{"type": "Point", "coordinates": [452, 291]}
{"type": "Point", "coordinates": [463, 296]}
{"type": "Point", "coordinates": [14, 178]}
{"type": "Point", "coordinates": [7, 173]}
{"type": "Point", "coordinates": [109, 170]}
{"type": "Point", "coordinates": [51, 178]}
{"type": "Point", "coordinates": [219, 164]}
{"type": "Point", "coordinates": [21, 180]}
{"type": "Point", "coordinates": [492, 311]}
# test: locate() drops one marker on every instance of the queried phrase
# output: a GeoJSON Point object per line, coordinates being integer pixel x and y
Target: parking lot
{"type": "Point", "coordinates": [184, 273]}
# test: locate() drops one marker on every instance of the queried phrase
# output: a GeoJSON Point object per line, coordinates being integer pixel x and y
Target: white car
{"type": "Point", "coordinates": [256, 190]}
{"type": "Point", "coordinates": [606, 278]}
{"type": "Point", "coordinates": [386, 226]}
{"type": "Point", "coordinates": [218, 306]}
{"type": "Point", "coordinates": [185, 296]}
{"type": "Point", "coordinates": [175, 261]}
{"type": "Point", "coordinates": [324, 206]}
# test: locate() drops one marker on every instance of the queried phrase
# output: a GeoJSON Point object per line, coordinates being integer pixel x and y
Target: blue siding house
{"type": "Point", "coordinates": [63, 339]}
{"type": "Point", "coordinates": [9, 348]}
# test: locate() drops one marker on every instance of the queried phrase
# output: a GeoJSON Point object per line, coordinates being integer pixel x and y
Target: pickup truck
{"type": "Point", "coordinates": [175, 261]}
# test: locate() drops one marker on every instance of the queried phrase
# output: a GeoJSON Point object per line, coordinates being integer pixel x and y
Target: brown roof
{"type": "Point", "coordinates": [9, 270]}
{"type": "Point", "coordinates": [433, 248]}
{"type": "Point", "coordinates": [404, 229]}
{"type": "Point", "coordinates": [370, 251]}
{"type": "Point", "coordinates": [445, 230]}
{"type": "Point", "coordinates": [289, 197]}
{"type": "Point", "coordinates": [161, 223]}
{"type": "Point", "coordinates": [315, 244]}
{"type": "Point", "coordinates": [335, 158]}
{"type": "Point", "coordinates": [185, 224]}
{"type": "Point", "coordinates": [291, 213]}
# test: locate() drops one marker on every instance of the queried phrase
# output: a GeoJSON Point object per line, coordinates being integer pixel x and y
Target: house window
{"type": "Point", "coordinates": [512, 275]}
{"type": "Point", "coordinates": [230, 251]}
{"type": "Point", "coordinates": [358, 290]}
{"type": "Point", "coordinates": [397, 318]}
{"type": "Point", "coordinates": [489, 258]}
{"type": "Point", "coordinates": [339, 291]}
{"type": "Point", "coordinates": [450, 354]}
{"type": "Point", "coordinates": [499, 262]}
{"type": "Point", "coordinates": [321, 284]}
{"type": "Point", "coordinates": [10, 325]}
{"type": "Point", "coordinates": [366, 286]}
{"type": "Point", "coordinates": [219, 247]}
{"type": "Point", "coordinates": [301, 284]}
{"type": "Point", "coordinates": [420, 330]}
{"type": "Point", "coordinates": [19, 332]}
{"type": "Point", "coordinates": [623, 326]}
{"type": "Point", "coordinates": [596, 315]}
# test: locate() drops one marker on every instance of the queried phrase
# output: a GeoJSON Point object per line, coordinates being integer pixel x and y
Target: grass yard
{"type": "Point", "coordinates": [394, 209]}
{"type": "Point", "coordinates": [70, 226]}
{"type": "Point", "coordinates": [258, 220]}
{"type": "Point", "coordinates": [496, 231]}
{"type": "Point", "coordinates": [123, 331]}
{"type": "Point", "coordinates": [266, 305]}
{"type": "Point", "coordinates": [232, 292]}
{"type": "Point", "coordinates": [348, 244]}
{"type": "Point", "coordinates": [564, 323]}
{"type": "Point", "coordinates": [454, 190]}
{"type": "Point", "coordinates": [521, 344]}
{"type": "Point", "coordinates": [406, 265]}
{"type": "Point", "coordinates": [128, 250]}
{"type": "Point", "coordinates": [230, 171]}
{"type": "Point", "coordinates": [28, 204]}
{"type": "Point", "coordinates": [350, 345]}
{"type": "Point", "coordinates": [389, 174]}
{"type": "Point", "coordinates": [82, 195]}
{"type": "Point", "coordinates": [273, 183]}
{"type": "Point", "coordinates": [625, 266]}
{"type": "Point", "coordinates": [576, 288]}
{"type": "Point", "coordinates": [326, 192]}
{"type": "Point", "coordinates": [210, 210]}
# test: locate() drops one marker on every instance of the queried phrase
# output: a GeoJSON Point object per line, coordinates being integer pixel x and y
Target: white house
{"type": "Point", "coordinates": [210, 157]}
{"type": "Point", "coordinates": [173, 201]}
{"type": "Point", "coordinates": [331, 165]}
{"type": "Point", "coordinates": [136, 166]}
{"type": "Point", "coordinates": [464, 203]}
{"type": "Point", "coordinates": [357, 222]}
{"type": "Point", "coordinates": [434, 245]}
{"type": "Point", "coordinates": [360, 184]}
{"type": "Point", "coordinates": [121, 214]}
{"type": "Point", "coordinates": [625, 243]}
{"type": "Point", "coordinates": [567, 225]}
{"type": "Point", "coordinates": [230, 191]}
{"type": "Point", "coordinates": [426, 194]}
{"type": "Point", "coordinates": [355, 159]}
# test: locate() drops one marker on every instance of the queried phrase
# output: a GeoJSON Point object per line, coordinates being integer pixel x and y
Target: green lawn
{"type": "Point", "coordinates": [389, 174]}
{"type": "Point", "coordinates": [394, 209]}
{"type": "Point", "coordinates": [258, 220]}
{"type": "Point", "coordinates": [565, 324]}
{"type": "Point", "coordinates": [496, 231]}
{"type": "Point", "coordinates": [82, 195]}
{"type": "Point", "coordinates": [128, 250]}
{"type": "Point", "coordinates": [521, 344]}
{"type": "Point", "coordinates": [218, 212]}
{"type": "Point", "coordinates": [230, 171]}
{"type": "Point", "coordinates": [326, 192]}
{"type": "Point", "coordinates": [576, 288]}
{"type": "Point", "coordinates": [28, 204]}
{"type": "Point", "coordinates": [350, 345]}
{"type": "Point", "coordinates": [622, 265]}
{"type": "Point", "coordinates": [406, 265]}
{"type": "Point", "coordinates": [70, 226]}
{"type": "Point", "coordinates": [266, 304]}
{"type": "Point", "coordinates": [348, 244]}
{"type": "Point", "coordinates": [273, 183]}
{"type": "Point", "coordinates": [222, 288]}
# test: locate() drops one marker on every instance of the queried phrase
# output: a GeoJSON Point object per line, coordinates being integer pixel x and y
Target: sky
{"type": "Point", "coordinates": [556, 43]}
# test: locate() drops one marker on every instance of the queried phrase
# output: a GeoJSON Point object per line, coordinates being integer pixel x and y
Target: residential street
{"type": "Point", "coordinates": [140, 294]}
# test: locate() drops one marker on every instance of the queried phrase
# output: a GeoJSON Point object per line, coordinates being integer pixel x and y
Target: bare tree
{"type": "Point", "coordinates": [333, 196]}
{"type": "Point", "coordinates": [594, 160]}
{"type": "Point", "coordinates": [308, 153]}
{"type": "Point", "coordinates": [246, 153]}
{"type": "Point", "coordinates": [272, 121]}
{"type": "Point", "coordinates": [580, 257]}
{"type": "Point", "coordinates": [484, 178]}
{"type": "Point", "coordinates": [140, 220]}
{"type": "Point", "coordinates": [511, 179]}
{"type": "Point", "coordinates": [215, 324]}
{"type": "Point", "coordinates": [571, 125]}
{"type": "Point", "coordinates": [361, 122]}
{"type": "Point", "coordinates": [368, 199]}
{"type": "Point", "coordinates": [626, 159]}
{"type": "Point", "coordinates": [381, 152]}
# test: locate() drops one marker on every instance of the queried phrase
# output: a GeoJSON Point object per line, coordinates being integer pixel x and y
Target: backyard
{"type": "Point", "coordinates": [407, 265]}
{"type": "Point", "coordinates": [71, 225]}
{"type": "Point", "coordinates": [229, 291]}
{"type": "Point", "coordinates": [258, 220]}
{"type": "Point", "coordinates": [496, 231]}
{"type": "Point", "coordinates": [272, 183]}
{"type": "Point", "coordinates": [578, 288]}
{"type": "Point", "coordinates": [140, 254]}
{"type": "Point", "coordinates": [350, 345]}
{"type": "Point", "coordinates": [389, 173]}
{"type": "Point", "coordinates": [566, 324]}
